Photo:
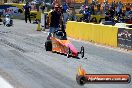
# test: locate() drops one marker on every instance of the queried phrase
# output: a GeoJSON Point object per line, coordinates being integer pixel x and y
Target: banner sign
{"type": "Point", "coordinates": [17, 11]}
{"type": "Point", "coordinates": [10, 9]}
{"type": "Point", "coordinates": [125, 38]}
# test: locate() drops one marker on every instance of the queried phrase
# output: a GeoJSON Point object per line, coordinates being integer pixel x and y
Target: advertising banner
{"type": "Point", "coordinates": [9, 9]}
{"type": "Point", "coordinates": [125, 38]}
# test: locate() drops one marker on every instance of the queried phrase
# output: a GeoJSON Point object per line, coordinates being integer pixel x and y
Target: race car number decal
{"type": "Point", "coordinates": [55, 45]}
{"type": "Point", "coordinates": [59, 47]}
{"type": "Point", "coordinates": [62, 49]}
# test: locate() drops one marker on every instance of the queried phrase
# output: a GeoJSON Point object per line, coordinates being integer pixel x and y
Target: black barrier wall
{"type": "Point", "coordinates": [125, 38]}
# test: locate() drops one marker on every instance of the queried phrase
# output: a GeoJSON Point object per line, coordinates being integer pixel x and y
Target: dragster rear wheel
{"type": "Point", "coordinates": [48, 45]}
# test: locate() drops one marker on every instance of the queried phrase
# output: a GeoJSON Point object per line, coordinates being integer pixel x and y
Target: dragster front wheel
{"type": "Point", "coordinates": [82, 52]}
{"type": "Point", "coordinates": [68, 52]}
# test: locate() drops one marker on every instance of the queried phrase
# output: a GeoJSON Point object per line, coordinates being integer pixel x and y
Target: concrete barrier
{"type": "Point", "coordinates": [97, 33]}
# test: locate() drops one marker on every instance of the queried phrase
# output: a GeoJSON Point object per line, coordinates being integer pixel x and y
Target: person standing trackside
{"type": "Point", "coordinates": [27, 9]}
{"type": "Point", "coordinates": [55, 20]}
{"type": "Point", "coordinates": [65, 14]}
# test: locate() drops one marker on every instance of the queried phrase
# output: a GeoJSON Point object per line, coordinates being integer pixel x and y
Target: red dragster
{"type": "Point", "coordinates": [59, 43]}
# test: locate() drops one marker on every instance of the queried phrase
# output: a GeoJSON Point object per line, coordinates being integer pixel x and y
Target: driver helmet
{"type": "Point", "coordinates": [7, 15]}
{"type": "Point", "coordinates": [59, 33]}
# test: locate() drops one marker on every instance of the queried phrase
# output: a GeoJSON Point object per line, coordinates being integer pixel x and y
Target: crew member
{"type": "Point", "coordinates": [27, 9]}
{"type": "Point", "coordinates": [55, 20]}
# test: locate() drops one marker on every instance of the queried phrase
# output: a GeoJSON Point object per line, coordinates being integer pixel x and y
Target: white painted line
{"type": "Point", "coordinates": [4, 83]}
